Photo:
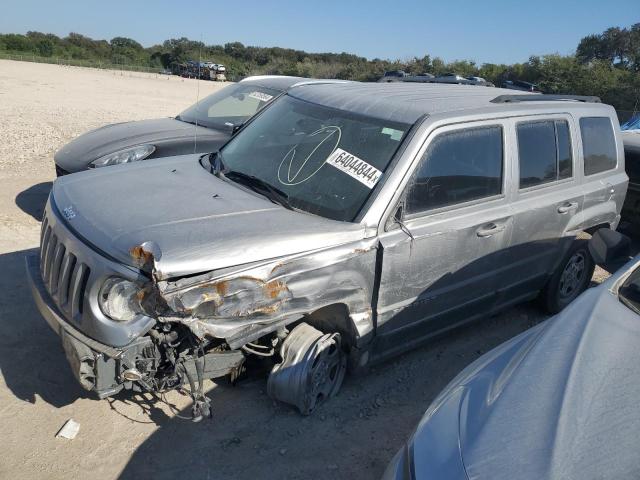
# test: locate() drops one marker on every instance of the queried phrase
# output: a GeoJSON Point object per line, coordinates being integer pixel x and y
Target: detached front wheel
{"type": "Point", "coordinates": [312, 369]}
{"type": "Point", "coordinates": [570, 279]}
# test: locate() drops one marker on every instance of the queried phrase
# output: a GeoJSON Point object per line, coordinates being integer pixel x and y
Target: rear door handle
{"type": "Point", "coordinates": [490, 229]}
{"type": "Point", "coordinates": [567, 207]}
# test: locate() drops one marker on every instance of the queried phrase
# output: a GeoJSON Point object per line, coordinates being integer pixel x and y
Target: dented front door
{"type": "Point", "coordinates": [441, 265]}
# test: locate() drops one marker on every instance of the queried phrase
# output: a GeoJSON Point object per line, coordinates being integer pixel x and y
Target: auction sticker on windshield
{"type": "Point", "coordinates": [355, 167]}
{"type": "Point", "coordinates": [263, 97]}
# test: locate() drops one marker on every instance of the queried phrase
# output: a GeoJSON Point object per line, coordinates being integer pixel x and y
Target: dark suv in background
{"type": "Point", "coordinates": [631, 208]}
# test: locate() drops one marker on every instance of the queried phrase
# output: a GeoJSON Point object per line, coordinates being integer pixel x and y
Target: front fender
{"type": "Point", "coordinates": [251, 302]}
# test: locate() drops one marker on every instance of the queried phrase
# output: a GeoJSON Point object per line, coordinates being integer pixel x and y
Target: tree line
{"type": "Point", "coordinates": [605, 64]}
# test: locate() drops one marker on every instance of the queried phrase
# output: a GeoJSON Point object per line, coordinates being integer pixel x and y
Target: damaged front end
{"type": "Point", "coordinates": [305, 313]}
{"type": "Point", "coordinates": [132, 325]}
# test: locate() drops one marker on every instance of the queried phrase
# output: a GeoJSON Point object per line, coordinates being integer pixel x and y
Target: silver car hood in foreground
{"type": "Point", "coordinates": [196, 221]}
{"type": "Point", "coordinates": [170, 136]}
{"type": "Point", "coordinates": [558, 401]}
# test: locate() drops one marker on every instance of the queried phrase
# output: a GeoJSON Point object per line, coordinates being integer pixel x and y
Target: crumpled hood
{"type": "Point", "coordinates": [170, 136]}
{"type": "Point", "coordinates": [559, 401]}
{"type": "Point", "coordinates": [198, 222]}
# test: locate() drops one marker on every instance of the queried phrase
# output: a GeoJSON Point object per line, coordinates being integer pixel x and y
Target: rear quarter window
{"type": "Point", "coordinates": [598, 144]}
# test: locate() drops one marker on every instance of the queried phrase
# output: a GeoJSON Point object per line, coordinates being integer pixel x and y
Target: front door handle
{"type": "Point", "coordinates": [567, 207]}
{"type": "Point", "coordinates": [490, 229]}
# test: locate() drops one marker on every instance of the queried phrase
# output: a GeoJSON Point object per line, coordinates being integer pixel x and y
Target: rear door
{"type": "Point", "coordinates": [441, 265]}
{"type": "Point", "coordinates": [546, 196]}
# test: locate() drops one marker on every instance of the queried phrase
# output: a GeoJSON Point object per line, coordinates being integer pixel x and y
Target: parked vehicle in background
{"type": "Point", "coordinates": [558, 401]}
{"type": "Point", "coordinates": [479, 81]}
{"type": "Point", "coordinates": [421, 78]}
{"type": "Point", "coordinates": [201, 70]}
{"type": "Point", "coordinates": [632, 124]}
{"type": "Point", "coordinates": [393, 76]}
{"type": "Point", "coordinates": [452, 78]}
{"type": "Point", "coordinates": [203, 127]}
{"type": "Point", "coordinates": [400, 76]}
{"type": "Point", "coordinates": [520, 85]}
{"type": "Point", "coordinates": [217, 72]}
{"type": "Point", "coordinates": [631, 209]}
{"type": "Point", "coordinates": [345, 223]}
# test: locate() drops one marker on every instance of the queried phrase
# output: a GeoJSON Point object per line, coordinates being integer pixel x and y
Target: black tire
{"type": "Point", "coordinates": [571, 278]}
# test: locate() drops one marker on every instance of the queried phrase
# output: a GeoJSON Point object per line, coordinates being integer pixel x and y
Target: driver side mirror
{"type": "Point", "coordinates": [398, 220]}
{"type": "Point", "coordinates": [399, 213]}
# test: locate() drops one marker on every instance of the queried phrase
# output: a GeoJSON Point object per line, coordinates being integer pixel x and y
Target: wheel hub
{"type": "Point", "coordinates": [312, 368]}
{"type": "Point", "coordinates": [572, 275]}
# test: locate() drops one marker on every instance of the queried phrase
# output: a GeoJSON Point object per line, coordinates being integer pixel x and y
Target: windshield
{"type": "Point", "coordinates": [629, 292]}
{"type": "Point", "coordinates": [229, 107]}
{"type": "Point", "coordinates": [325, 161]}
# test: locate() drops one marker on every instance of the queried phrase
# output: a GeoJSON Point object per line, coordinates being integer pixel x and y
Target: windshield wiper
{"type": "Point", "coordinates": [258, 185]}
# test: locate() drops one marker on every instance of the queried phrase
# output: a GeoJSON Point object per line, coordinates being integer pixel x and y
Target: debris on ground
{"type": "Point", "coordinates": [69, 430]}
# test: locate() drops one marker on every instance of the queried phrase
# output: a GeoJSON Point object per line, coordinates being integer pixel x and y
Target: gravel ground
{"type": "Point", "coordinates": [352, 436]}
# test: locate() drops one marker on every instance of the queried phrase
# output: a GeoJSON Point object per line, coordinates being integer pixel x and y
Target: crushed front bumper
{"type": "Point", "coordinates": [95, 365]}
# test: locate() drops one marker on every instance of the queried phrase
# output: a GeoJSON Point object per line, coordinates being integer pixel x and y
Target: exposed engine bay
{"type": "Point", "coordinates": [307, 365]}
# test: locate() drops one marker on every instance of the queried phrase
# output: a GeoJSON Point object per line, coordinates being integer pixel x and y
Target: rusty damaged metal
{"type": "Point", "coordinates": [259, 299]}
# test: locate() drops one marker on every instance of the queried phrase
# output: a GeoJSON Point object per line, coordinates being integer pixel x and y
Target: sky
{"type": "Point", "coordinates": [492, 31]}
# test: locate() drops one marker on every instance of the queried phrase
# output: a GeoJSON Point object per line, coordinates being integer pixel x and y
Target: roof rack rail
{"type": "Point", "coordinates": [545, 98]}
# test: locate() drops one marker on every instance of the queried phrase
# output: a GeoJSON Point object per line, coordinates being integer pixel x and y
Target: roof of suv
{"type": "Point", "coordinates": [403, 102]}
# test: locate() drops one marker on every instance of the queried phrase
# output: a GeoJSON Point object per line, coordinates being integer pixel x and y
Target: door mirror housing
{"type": "Point", "coordinates": [397, 217]}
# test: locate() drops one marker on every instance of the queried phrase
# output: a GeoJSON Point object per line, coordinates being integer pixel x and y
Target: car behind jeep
{"type": "Point", "coordinates": [203, 127]}
{"type": "Point", "coordinates": [344, 224]}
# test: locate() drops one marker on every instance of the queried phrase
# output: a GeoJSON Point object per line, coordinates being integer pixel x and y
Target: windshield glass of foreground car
{"type": "Point", "coordinates": [326, 161]}
{"type": "Point", "coordinates": [629, 292]}
{"type": "Point", "coordinates": [228, 107]}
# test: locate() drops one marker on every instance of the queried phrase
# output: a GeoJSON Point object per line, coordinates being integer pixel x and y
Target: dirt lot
{"type": "Point", "coordinates": [250, 436]}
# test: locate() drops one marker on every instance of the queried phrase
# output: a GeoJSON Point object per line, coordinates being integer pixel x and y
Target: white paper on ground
{"type": "Point", "coordinates": [69, 430]}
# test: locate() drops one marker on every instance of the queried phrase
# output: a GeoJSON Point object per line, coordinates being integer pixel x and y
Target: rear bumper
{"type": "Point", "coordinates": [96, 366]}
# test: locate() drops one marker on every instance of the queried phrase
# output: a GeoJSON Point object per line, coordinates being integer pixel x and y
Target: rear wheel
{"type": "Point", "coordinates": [570, 279]}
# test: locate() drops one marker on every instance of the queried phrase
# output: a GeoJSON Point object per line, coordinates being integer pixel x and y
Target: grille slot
{"type": "Point", "coordinates": [76, 291]}
{"type": "Point", "coordinates": [43, 227]}
{"type": "Point", "coordinates": [65, 278]}
{"type": "Point", "coordinates": [68, 265]}
{"type": "Point", "coordinates": [44, 248]}
{"type": "Point", "coordinates": [54, 273]}
{"type": "Point", "coordinates": [48, 258]}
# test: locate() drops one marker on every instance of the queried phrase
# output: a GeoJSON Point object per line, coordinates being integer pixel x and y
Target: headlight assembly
{"type": "Point", "coordinates": [127, 155]}
{"type": "Point", "coordinates": [118, 299]}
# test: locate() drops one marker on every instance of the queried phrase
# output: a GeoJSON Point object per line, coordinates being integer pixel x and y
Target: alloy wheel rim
{"type": "Point", "coordinates": [572, 275]}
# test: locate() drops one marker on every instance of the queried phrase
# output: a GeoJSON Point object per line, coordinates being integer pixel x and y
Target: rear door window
{"type": "Point", "coordinates": [544, 150]}
{"type": "Point", "coordinates": [598, 145]}
{"type": "Point", "coordinates": [458, 167]}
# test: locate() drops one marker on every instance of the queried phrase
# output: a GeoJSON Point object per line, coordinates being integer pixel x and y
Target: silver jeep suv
{"type": "Point", "coordinates": [345, 223]}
